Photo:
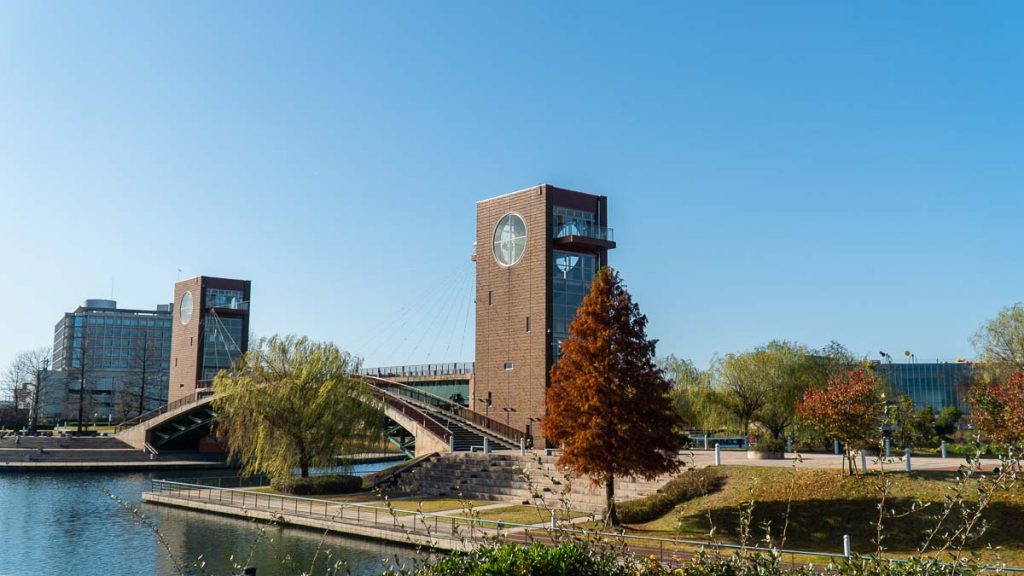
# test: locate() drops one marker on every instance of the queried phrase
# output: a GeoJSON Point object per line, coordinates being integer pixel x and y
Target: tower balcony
{"type": "Point", "coordinates": [576, 235]}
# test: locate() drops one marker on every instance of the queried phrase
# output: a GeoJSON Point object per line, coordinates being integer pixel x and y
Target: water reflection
{"type": "Point", "coordinates": [64, 524]}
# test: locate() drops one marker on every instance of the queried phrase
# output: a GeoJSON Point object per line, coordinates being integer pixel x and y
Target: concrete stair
{"type": "Point", "coordinates": [510, 477]}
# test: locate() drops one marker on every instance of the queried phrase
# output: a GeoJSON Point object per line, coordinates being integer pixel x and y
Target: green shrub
{"type": "Point", "coordinates": [582, 559]}
{"type": "Point", "coordinates": [566, 559]}
{"type": "Point", "coordinates": [769, 445]}
{"type": "Point", "coordinates": [316, 485]}
{"type": "Point", "coordinates": [687, 486]}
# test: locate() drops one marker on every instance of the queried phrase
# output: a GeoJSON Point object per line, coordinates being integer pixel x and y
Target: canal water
{"type": "Point", "coordinates": [60, 524]}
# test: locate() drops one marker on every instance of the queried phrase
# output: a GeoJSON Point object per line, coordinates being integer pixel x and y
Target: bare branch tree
{"type": "Point", "coordinates": [28, 378]}
{"type": "Point", "coordinates": [147, 372]}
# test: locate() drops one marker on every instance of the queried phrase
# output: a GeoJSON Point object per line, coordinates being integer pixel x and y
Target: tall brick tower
{"type": "Point", "coordinates": [209, 329]}
{"type": "Point", "coordinates": [536, 253]}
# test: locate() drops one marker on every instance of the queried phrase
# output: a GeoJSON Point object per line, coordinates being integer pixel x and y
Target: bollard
{"type": "Point", "coordinates": [451, 443]}
{"type": "Point", "coordinates": [522, 446]}
{"type": "Point", "coordinates": [718, 454]}
{"type": "Point", "coordinates": [906, 459]}
{"type": "Point", "coordinates": [789, 444]}
{"type": "Point", "coordinates": [487, 445]}
{"type": "Point", "coordinates": [846, 546]}
{"type": "Point", "coordinates": [835, 445]}
{"type": "Point", "coordinates": [943, 448]}
{"type": "Point", "coordinates": [705, 441]}
{"type": "Point", "coordinates": [888, 448]}
{"type": "Point", "coordinates": [554, 519]}
{"type": "Point", "coordinates": [863, 462]}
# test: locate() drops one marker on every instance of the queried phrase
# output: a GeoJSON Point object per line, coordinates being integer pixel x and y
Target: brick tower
{"type": "Point", "coordinates": [536, 253]}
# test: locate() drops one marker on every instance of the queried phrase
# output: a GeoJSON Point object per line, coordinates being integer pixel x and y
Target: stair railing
{"type": "Point", "coordinates": [500, 430]}
{"type": "Point", "coordinates": [192, 398]}
{"type": "Point", "coordinates": [411, 411]}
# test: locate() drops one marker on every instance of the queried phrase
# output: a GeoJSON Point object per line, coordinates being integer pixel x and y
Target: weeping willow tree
{"type": "Point", "coordinates": [293, 403]}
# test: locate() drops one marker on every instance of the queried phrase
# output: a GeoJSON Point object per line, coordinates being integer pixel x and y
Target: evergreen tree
{"type": "Point", "coordinates": [608, 405]}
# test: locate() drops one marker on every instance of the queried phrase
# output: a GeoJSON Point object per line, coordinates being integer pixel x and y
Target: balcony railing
{"type": "Point", "coordinates": [584, 230]}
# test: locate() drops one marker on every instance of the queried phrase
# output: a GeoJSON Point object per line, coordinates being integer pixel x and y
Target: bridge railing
{"type": "Point", "coordinates": [410, 411]}
{"type": "Point", "coordinates": [420, 370]}
{"type": "Point", "coordinates": [500, 430]}
{"type": "Point", "coordinates": [196, 396]}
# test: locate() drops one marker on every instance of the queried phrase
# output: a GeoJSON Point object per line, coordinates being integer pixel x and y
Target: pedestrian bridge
{"type": "Point", "coordinates": [420, 422]}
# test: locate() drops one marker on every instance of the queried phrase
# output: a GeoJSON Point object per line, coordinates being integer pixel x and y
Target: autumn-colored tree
{"type": "Point", "coordinates": [848, 409]}
{"type": "Point", "coordinates": [998, 408]}
{"type": "Point", "coordinates": [608, 404]}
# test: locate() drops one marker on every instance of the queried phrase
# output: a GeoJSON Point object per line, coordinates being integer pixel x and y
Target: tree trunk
{"type": "Point", "coordinates": [81, 395]}
{"type": "Point", "coordinates": [611, 514]}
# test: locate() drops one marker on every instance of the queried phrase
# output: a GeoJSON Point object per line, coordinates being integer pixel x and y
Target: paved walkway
{"type": "Point", "coordinates": [703, 458]}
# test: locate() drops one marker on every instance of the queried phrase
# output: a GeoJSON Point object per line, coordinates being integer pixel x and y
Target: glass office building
{"type": "Point", "coordinates": [928, 384]}
{"type": "Point", "coordinates": [117, 354]}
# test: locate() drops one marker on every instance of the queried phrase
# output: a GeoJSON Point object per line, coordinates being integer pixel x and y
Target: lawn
{"type": "Point", "coordinates": [438, 504]}
{"type": "Point", "coordinates": [524, 514]}
{"type": "Point", "coordinates": [825, 506]}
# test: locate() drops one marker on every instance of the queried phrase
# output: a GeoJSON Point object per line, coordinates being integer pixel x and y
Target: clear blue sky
{"type": "Point", "coordinates": [800, 170]}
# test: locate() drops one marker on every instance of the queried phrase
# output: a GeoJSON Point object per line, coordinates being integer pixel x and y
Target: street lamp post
{"type": "Point", "coordinates": [487, 404]}
{"type": "Point", "coordinates": [508, 415]}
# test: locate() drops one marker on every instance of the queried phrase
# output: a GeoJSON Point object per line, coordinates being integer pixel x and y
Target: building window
{"type": "Point", "coordinates": [569, 222]}
{"type": "Point", "coordinates": [223, 298]}
{"type": "Point", "coordinates": [527, 323]}
{"type": "Point", "coordinates": [509, 366]}
{"type": "Point", "coordinates": [490, 297]}
{"type": "Point", "coordinates": [570, 282]}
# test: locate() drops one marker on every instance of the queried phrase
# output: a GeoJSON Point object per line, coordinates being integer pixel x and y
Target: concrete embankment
{"type": "Point", "coordinates": [95, 454]}
{"type": "Point", "coordinates": [361, 520]}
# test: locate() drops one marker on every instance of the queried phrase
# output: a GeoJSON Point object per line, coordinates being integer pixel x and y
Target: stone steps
{"type": "Point", "coordinates": [513, 478]}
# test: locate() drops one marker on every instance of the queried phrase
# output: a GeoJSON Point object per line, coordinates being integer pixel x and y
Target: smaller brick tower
{"type": "Point", "coordinates": [209, 330]}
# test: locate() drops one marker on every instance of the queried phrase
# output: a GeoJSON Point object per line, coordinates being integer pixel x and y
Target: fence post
{"type": "Point", "coordinates": [835, 446]}
{"type": "Point", "coordinates": [906, 459]}
{"type": "Point", "coordinates": [888, 448]}
{"type": "Point", "coordinates": [943, 448]}
{"type": "Point", "coordinates": [846, 546]}
{"type": "Point", "coordinates": [718, 454]}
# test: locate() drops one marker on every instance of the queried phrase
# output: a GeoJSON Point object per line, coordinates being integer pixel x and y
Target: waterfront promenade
{"type": "Point", "coordinates": [466, 524]}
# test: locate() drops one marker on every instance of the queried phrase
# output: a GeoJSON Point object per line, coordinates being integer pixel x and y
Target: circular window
{"type": "Point", "coordinates": [509, 239]}
{"type": "Point", "coordinates": [185, 308]}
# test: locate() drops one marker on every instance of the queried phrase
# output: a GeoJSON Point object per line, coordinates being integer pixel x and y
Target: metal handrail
{"type": "Point", "coordinates": [500, 430]}
{"type": "Point", "coordinates": [418, 370]}
{"type": "Point", "coordinates": [422, 418]}
{"type": "Point", "coordinates": [195, 396]}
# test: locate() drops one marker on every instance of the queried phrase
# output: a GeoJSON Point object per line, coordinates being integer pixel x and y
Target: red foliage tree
{"type": "Point", "coordinates": [847, 409]}
{"type": "Point", "coordinates": [998, 408]}
{"type": "Point", "coordinates": [608, 404]}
